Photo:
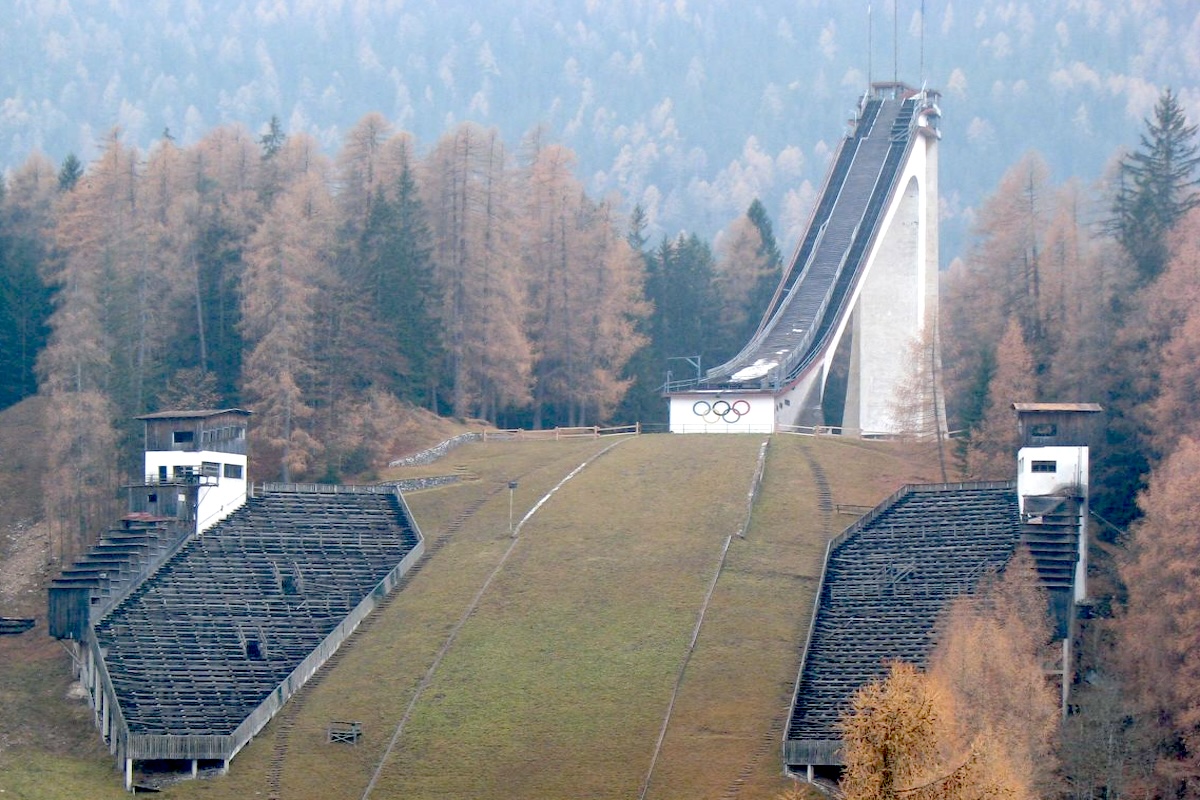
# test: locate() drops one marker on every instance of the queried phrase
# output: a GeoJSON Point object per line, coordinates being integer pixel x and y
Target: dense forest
{"type": "Point", "coordinates": [1089, 293]}
{"type": "Point", "coordinates": [328, 295]}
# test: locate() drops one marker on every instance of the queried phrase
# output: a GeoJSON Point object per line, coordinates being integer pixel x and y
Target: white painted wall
{"type": "Point", "coordinates": [1070, 469]}
{"type": "Point", "coordinates": [220, 496]}
{"type": "Point", "coordinates": [895, 295]}
{"type": "Point", "coordinates": [722, 412]}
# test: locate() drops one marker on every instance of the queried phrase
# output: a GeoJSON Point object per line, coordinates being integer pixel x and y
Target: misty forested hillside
{"type": "Point", "coordinates": [691, 109]}
{"type": "Point", "coordinates": [525, 212]}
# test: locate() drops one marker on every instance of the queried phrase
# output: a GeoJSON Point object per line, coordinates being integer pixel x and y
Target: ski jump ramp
{"type": "Point", "coordinates": [847, 340]}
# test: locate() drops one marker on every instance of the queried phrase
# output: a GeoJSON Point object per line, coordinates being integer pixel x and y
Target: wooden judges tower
{"type": "Point", "coordinates": [194, 476]}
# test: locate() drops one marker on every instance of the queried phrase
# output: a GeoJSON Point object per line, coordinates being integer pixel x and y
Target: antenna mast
{"type": "Point", "coordinates": [895, 41]}
{"type": "Point", "coordinates": [869, 54]}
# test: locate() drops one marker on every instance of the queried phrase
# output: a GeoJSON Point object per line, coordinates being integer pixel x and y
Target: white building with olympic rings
{"type": "Point", "coordinates": [722, 412]}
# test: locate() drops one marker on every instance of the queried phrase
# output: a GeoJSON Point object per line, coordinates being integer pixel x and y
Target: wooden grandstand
{"type": "Point", "coordinates": [188, 663]}
{"type": "Point", "coordinates": [886, 580]}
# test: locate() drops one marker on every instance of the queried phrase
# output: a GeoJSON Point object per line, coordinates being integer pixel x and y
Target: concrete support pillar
{"type": "Point", "coordinates": [195, 767]}
{"type": "Point", "coordinates": [129, 774]}
{"type": "Point", "coordinates": [896, 299]}
{"type": "Point", "coordinates": [887, 319]}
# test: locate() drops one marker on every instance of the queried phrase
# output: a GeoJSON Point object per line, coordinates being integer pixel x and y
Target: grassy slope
{"type": "Point", "coordinates": [558, 684]}
{"type": "Point", "coordinates": [48, 746]}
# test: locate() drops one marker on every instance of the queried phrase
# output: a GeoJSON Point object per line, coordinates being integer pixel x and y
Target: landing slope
{"type": "Point", "coordinates": [558, 683]}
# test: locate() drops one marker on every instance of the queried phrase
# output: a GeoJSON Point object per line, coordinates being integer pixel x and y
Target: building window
{"type": "Point", "coordinates": [233, 471]}
{"type": "Point", "coordinates": [210, 469]}
{"type": "Point", "coordinates": [183, 437]}
{"type": "Point", "coordinates": [1043, 429]}
{"type": "Point", "coordinates": [1044, 466]}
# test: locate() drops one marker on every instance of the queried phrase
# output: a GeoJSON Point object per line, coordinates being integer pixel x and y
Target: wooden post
{"type": "Point", "coordinates": [1066, 671]}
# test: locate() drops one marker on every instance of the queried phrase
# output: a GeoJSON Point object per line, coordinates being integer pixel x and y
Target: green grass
{"type": "Point", "coordinates": [48, 746]}
{"type": "Point", "coordinates": [557, 685]}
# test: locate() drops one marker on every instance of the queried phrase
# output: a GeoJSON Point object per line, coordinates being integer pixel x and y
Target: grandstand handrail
{"type": "Point", "coordinates": [320, 488]}
{"type": "Point", "coordinates": [225, 746]}
{"type": "Point", "coordinates": [812, 626]}
{"type": "Point", "coordinates": [101, 680]}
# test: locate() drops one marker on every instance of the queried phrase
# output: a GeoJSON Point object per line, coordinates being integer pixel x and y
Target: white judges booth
{"type": "Point", "coordinates": [722, 412]}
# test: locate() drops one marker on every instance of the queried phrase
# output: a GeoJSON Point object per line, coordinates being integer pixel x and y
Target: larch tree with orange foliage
{"type": "Point", "coordinates": [90, 358]}
{"type": "Point", "coordinates": [1160, 629]}
{"type": "Point", "coordinates": [992, 448]}
{"type": "Point", "coordinates": [285, 260]}
{"type": "Point", "coordinates": [469, 194]}
{"type": "Point", "coordinates": [990, 656]}
{"type": "Point", "coordinates": [980, 723]}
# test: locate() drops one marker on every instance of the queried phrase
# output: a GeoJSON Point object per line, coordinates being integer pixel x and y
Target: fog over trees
{"type": "Point", "coordinates": [689, 109]}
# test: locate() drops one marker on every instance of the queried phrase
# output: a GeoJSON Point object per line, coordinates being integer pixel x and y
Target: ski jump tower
{"type": "Point", "coordinates": [841, 341]}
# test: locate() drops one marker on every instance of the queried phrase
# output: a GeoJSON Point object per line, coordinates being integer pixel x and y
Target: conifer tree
{"type": "Point", "coordinates": [1156, 187]}
{"type": "Point", "coordinates": [770, 263]}
{"type": "Point", "coordinates": [70, 173]}
{"type": "Point", "coordinates": [405, 292]}
{"type": "Point", "coordinates": [26, 214]}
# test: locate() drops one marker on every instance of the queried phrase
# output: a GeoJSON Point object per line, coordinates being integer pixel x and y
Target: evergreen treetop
{"type": "Point", "coordinates": [1157, 186]}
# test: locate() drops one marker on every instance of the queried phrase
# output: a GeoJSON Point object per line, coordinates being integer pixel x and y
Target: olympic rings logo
{"type": "Point", "coordinates": [719, 410]}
